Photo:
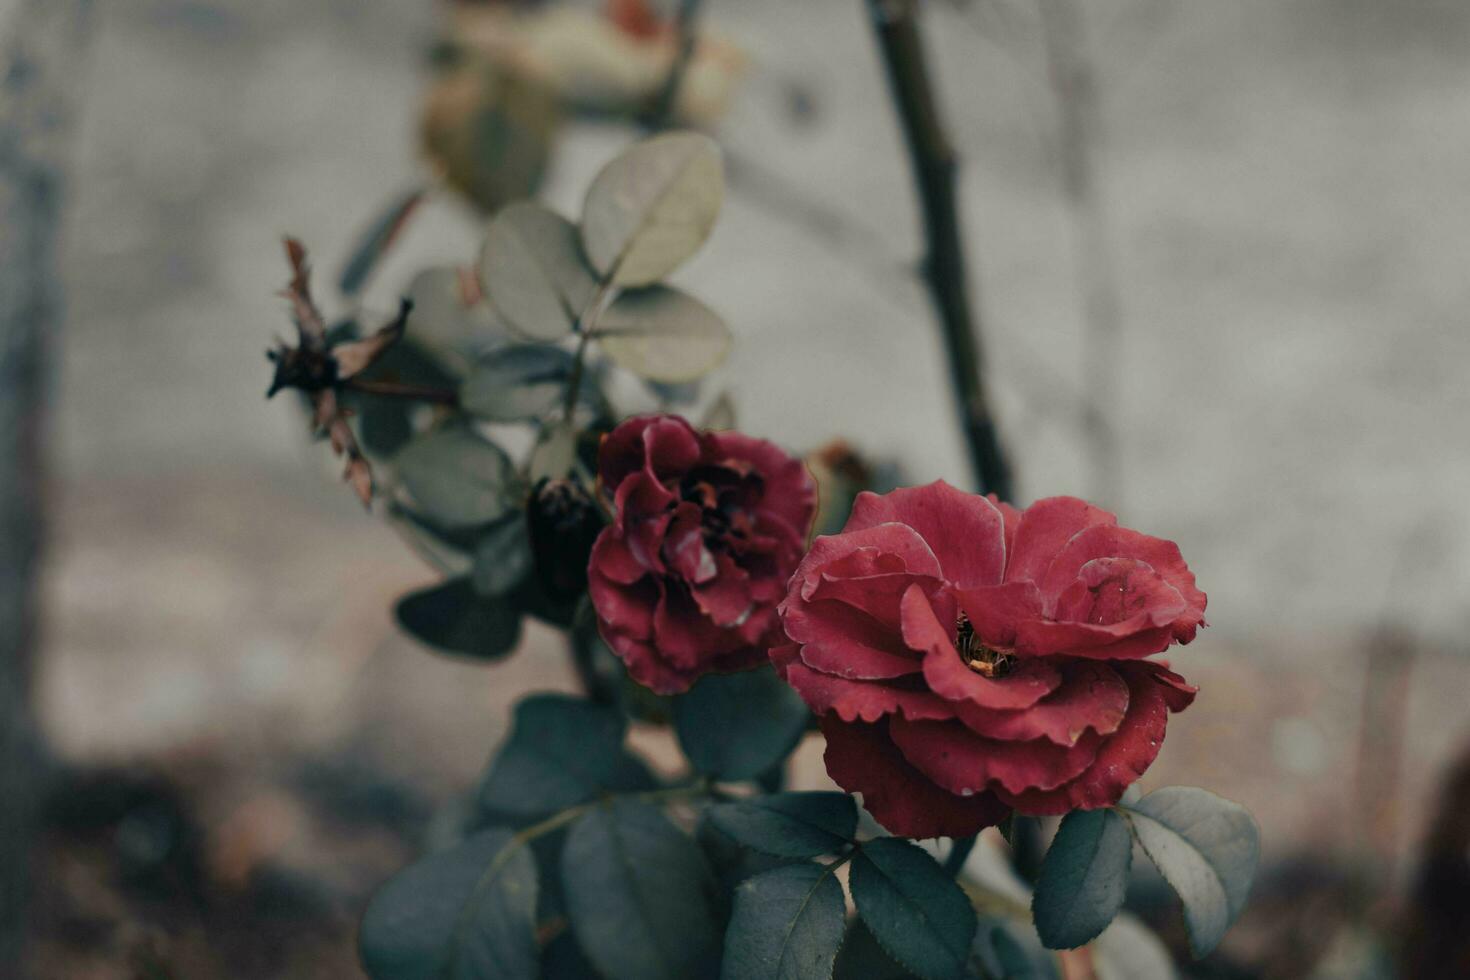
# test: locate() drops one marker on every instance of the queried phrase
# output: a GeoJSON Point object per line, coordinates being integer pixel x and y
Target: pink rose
{"type": "Point", "coordinates": [969, 659]}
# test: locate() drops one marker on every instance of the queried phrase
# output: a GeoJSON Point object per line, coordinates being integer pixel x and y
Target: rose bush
{"type": "Point", "coordinates": [707, 528]}
{"type": "Point", "coordinates": [968, 658]}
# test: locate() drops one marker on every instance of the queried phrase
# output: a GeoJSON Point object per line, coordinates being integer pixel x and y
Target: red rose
{"type": "Point", "coordinates": [707, 527]}
{"type": "Point", "coordinates": [968, 658]}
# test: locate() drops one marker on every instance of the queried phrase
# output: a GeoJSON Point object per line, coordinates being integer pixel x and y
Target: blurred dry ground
{"type": "Point", "coordinates": [256, 748]}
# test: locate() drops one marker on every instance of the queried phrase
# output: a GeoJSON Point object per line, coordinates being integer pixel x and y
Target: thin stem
{"type": "Point", "coordinates": [935, 167]}
{"type": "Point", "coordinates": [584, 327]}
{"type": "Point", "coordinates": [665, 105]}
{"type": "Point", "coordinates": [393, 389]}
{"type": "Point", "coordinates": [959, 852]}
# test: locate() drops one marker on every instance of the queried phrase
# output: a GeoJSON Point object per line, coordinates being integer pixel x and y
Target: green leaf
{"type": "Point", "coordinates": [861, 958]}
{"type": "Point", "coordinates": [444, 318]}
{"type": "Point", "coordinates": [637, 894]}
{"type": "Point", "coordinates": [915, 911]}
{"type": "Point", "coordinates": [787, 925]}
{"type": "Point", "coordinates": [663, 335]}
{"type": "Point", "coordinates": [561, 751]}
{"type": "Point", "coordinates": [1083, 878]}
{"type": "Point", "coordinates": [1206, 848]}
{"type": "Point", "coordinates": [376, 239]}
{"type": "Point", "coordinates": [385, 425]}
{"type": "Point", "coordinates": [653, 207]}
{"type": "Point", "coordinates": [457, 477]}
{"type": "Point", "coordinates": [737, 726]}
{"type": "Point", "coordinates": [454, 618]}
{"type": "Point", "coordinates": [517, 383]}
{"type": "Point", "coordinates": [795, 825]}
{"type": "Point", "coordinates": [502, 556]}
{"type": "Point", "coordinates": [465, 913]}
{"type": "Point", "coordinates": [534, 272]}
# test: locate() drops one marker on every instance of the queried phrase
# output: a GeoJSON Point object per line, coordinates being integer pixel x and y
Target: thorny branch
{"type": "Point", "coordinates": [320, 371]}
{"type": "Point", "coordinates": [935, 166]}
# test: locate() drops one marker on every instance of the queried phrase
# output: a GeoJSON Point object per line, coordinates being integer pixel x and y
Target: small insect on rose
{"type": "Point", "coordinates": [977, 656]}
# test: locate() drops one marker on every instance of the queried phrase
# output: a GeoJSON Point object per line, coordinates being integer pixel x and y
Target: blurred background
{"type": "Point", "coordinates": [1218, 252]}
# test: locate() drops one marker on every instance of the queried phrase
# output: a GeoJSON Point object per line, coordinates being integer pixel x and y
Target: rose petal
{"type": "Point", "coordinates": [843, 641]}
{"type": "Point", "coordinates": [1092, 698]}
{"type": "Point", "coordinates": [624, 608]}
{"type": "Point", "coordinates": [1124, 756]}
{"type": "Point", "coordinates": [946, 674]}
{"type": "Point", "coordinates": [612, 559]}
{"type": "Point", "coordinates": [648, 668]}
{"type": "Point", "coordinates": [1115, 591]}
{"type": "Point", "coordinates": [877, 595]}
{"type": "Point", "coordinates": [683, 635]}
{"type": "Point", "coordinates": [861, 700]}
{"type": "Point", "coordinates": [1042, 638]}
{"type": "Point", "coordinates": [962, 762]}
{"type": "Point", "coordinates": [861, 759]}
{"type": "Point", "coordinates": [1045, 528]}
{"type": "Point", "coordinates": [1103, 541]}
{"type": "Point", "coordinates": [790, 492]}
{"type": "Point", "coordinates": [891, 539]}
{"type": "Point", "coordinates": [1012, 518]}
{"type": "Point", "coordinates": [725, 598]}
{"type": "Point", "coordinates": [995, 610]}
{"type": "Point", "coordinates": [965, 531]}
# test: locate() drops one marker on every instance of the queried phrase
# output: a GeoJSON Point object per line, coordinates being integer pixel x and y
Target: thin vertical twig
{"type": "Point", "coordinates": [38, 94]}
{"type": "Point", "coordinates": [935, 167]}
{"type": "Point", "coordinates": [1079, 129]}
{"type": "Point", "coordinates": [665, 106]}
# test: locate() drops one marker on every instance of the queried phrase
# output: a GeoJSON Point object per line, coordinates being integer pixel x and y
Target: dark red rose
{"type": "Point", "coordinates": [707, 527]}
{"type": "Point", "coordinates": [969, 659]}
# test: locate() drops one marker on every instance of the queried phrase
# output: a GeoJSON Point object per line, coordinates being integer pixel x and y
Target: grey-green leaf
{"type": "Point", "coordinates": [1083, 878]}
{"type": "Point", "coordinates": [454, 618]}
{"type": "Point", "coordinates": [516, 383]}
{"type": "Point", "coordinates": [739, 726]}
{"type": "Point", "coordinates": [443, 319]}
{"type": "Point", "coordinates": [915, 911]}
{"type": "Point", "coordinates": [637, 894]}
{"type": "Point", "coordinates": [457, 477]}
{"type": "Point", "coordinates": [787, 925]}
{"type": "Point", "coordinates": [465, 913]}
{"type": "Point", "coordinates": [534, 272]}
{"type": "Point", "coordinates": [502, 556]}
{"type": "Point", "coordinates": [554, 455]}
{"type": "Point", "coordinates": [663, 335]}
{"type": "Point", "coordinates": [561, 751]}
{"type": "Point", "coordinates": [1206, 848]}
{"type": "Point", "coordinates": [795, 825]}
{"type": "Point", "coordinates": [652, 207]}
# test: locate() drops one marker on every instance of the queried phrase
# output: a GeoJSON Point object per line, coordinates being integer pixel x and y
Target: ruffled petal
{"type": "Point", "coordinates": [962, 762]}
{"type": "Point", "coordinates": [1045, 528]}
{"type": "Point", "coordinates": [1043, 638]}
{"type": "Point", "coordinates": [891, 539]}
{"type": "Point", "coordinates": [861, 700]}
{"type": "Point", "coordinates": [1092, 698]}
{"type": "Point", "coordinates": [995, 610]}
{"type": "Point", "coordinates": [1103, 541]}
{"type": "Point", "coordinates": [1109, 591]}
{"type": "Point", "coordinates": [946, 674]}
{"type": "Point", "coordinates": [790, 492]}
{"type": "Point", "coordinates": [862, 759]}
{"type": "Point", "coordinates": [613, 560]}
{"type": "Point", "coordinates": [839, 640]}
{"type": "Point", "coordinates": [725, 597]}
{"type": "Point", "coordinates": [625, 608]}
{"type": "Point", "coordinates": [1124, 756]}
{"type": "Point", "coordinates": [965, 530]}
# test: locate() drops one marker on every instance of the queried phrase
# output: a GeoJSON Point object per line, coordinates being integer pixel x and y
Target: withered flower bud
{"type": "Point", "coordinates": [564, 522]}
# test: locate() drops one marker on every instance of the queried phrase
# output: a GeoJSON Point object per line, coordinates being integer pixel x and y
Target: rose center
{"type": "Point", "coordinates": [976, 655]}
